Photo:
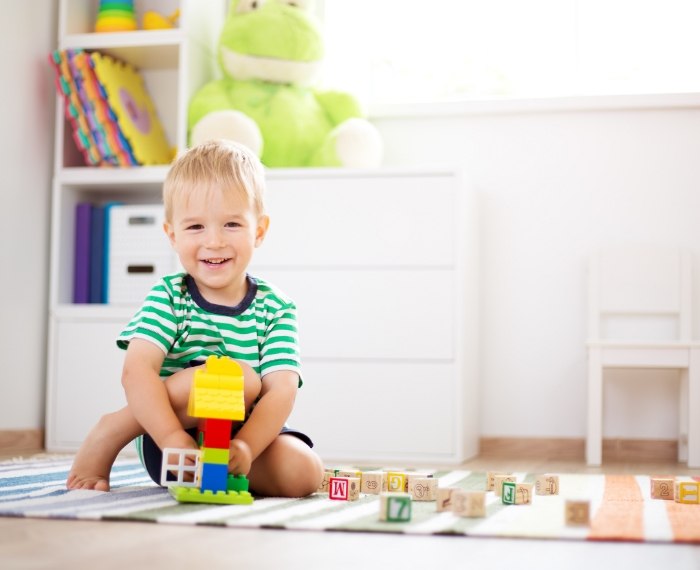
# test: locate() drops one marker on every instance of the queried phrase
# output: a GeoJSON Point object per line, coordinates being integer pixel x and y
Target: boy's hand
{"type": "Point", "coordinates": [180, 439]}
{"type": "Point", "coordinates": [240, 458]}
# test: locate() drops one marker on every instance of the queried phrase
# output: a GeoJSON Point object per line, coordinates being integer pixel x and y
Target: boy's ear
{"type": "Point", "coordinates": [168, 229]}
{"type": "Point", "coordinates": [261, 230]}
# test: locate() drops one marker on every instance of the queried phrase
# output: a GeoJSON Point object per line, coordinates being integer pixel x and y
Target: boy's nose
{"type": "Point", "coordinates": [215, 238]}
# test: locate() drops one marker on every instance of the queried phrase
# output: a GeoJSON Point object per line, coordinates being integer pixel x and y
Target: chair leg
{"type": "Point", "coordinates": [594, 438]}
{"type": "Point", "coordinates": [694, 408]}
{"type": "Point", "coordinates": [683, 415]}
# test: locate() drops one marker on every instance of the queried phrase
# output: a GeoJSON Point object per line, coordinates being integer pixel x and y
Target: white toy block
{"type": "Point", "coordinates": [175, 461]}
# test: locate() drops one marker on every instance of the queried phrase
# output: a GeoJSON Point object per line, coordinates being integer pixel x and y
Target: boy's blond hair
{"type": "Point", "coordinates": [216, 165]}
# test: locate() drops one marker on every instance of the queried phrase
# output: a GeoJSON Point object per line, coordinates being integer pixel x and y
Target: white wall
{"type": "Point", "coordinates": [27, 34]}
{"type": "Point", "coordinates": [552, 187]}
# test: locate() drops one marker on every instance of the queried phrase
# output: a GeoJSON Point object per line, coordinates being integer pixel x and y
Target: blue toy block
{"type": "Point", "coordinates": [214, 477]}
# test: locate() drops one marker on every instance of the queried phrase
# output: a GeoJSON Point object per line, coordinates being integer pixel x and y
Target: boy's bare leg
{"type": "Point", "coordinates": [114, 431]}
{"type": "Point", "coordinates": [287, 468]}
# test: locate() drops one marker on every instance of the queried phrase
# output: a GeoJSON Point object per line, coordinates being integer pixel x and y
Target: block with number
{"type": "Point", "coordinates": [491, 479]}
{"type": "Point", "coordinates": [577, 513]}
{"type": "Point", "coordinates": [344, 488]}
{"type": "Point", "coordinates": [395, 507]}
{"type": "Point", "coordinates": [516, 493]}
{"type": "Point", "coordinates": [470, 504]}
{"type": "Point", "coordinates": [422, 488]}
{"type": "Point", "coordinates": [687, 492]}
{"type": "Point", "coordinates": [662, 488]}
{"type": "Point", "coordinates": [373, 482]}
{"type": "Point", "coordinates": [547, 484]}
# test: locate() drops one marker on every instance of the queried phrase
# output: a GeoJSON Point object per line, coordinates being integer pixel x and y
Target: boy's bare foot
{"type": "Point", "coordinates": [94, 459]}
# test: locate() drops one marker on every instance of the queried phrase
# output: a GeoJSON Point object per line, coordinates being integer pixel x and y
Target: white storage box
{"type": "Point", "coordinates": [139, 252]}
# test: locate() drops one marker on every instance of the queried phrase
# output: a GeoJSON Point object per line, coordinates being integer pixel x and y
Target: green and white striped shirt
{"type": "Point", "coordinates": [261, 330]}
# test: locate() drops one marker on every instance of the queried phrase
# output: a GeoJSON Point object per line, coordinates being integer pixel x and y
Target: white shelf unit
{"type": "Point", "coordinates": [84, 366]}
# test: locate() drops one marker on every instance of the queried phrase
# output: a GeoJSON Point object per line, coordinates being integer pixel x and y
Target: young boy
{"type": "Point", "coordinates": [215, 218]}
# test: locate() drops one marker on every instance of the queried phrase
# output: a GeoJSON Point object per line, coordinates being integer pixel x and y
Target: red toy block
{"type": "Point", "coordinates": [217, 433]}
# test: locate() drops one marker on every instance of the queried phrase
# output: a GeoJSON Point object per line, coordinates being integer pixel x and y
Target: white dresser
{"type": "Point", "coordinates": [383, 268]}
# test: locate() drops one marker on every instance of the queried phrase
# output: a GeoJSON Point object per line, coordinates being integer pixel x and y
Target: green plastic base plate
{"type": "Point", "coordinates": [195, 495]}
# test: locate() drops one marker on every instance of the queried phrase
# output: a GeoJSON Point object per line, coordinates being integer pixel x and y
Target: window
{"type": "Point", "coordinates": [409, 51]}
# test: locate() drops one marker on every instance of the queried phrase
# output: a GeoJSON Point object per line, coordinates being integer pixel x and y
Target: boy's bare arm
{"type": "Point", "coordinates": [270, 413]}
{"type": "Point", "coordinates": [147, 395]}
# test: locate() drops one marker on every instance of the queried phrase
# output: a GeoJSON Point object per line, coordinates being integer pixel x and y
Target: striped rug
{"type": "Point", "coordinates": [621, 507]}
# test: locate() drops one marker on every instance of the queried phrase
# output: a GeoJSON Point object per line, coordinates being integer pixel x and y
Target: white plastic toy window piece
{"type": "Point", "coordinates": [181, 463]}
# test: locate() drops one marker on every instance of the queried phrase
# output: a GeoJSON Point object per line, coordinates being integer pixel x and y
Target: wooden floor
{"type": "Point", "coordinates": [39, 543]}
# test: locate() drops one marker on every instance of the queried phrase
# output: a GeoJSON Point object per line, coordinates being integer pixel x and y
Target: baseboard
{"type": "Point", "coordinates": [574, 449]}
{"type": "Point", "coordinates": [21, 439]}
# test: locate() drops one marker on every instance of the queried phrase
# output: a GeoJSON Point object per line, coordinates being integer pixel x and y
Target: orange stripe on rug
{"type": "Point", "coordinates": [621, 514]}
{"type": "Point", "coordinates": [685, 521]}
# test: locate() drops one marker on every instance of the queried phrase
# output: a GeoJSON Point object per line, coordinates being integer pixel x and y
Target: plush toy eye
{"type": "Point", "coordinates": [249, 6]}
{"type": "Point", "coordinates": [301, 4]}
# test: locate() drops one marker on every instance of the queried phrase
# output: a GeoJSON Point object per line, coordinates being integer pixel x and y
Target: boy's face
{"type": "Point", "coordinates": [214, 235]}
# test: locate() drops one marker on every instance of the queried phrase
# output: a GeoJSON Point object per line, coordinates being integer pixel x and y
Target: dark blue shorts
{"type": "Point", "coordinates": [152, 457]}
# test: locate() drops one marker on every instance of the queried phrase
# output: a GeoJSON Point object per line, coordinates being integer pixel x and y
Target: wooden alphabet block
{"type": "Point", "coordinates": [662, 488]}
{"type": "Point", "coordinates": [323, 487]}
{"type": "Point", "coordinates": [373, 482]}
{"type": "Point", "coordinates": [577, 513]}
{"type": "Point", "coordinates": [344, 488]}
{"type": "Point", "coordinates": [346, 472]}
{"type": "Point", "coordinates": [498, 481]}
{"type": "Point", "coordinates": [422, 488]}
{"type": "Point", "coordinates": [396, 482]}
{"type": "Point", "coordinates": [470, 504]}
{"type": "Point", "coordinates": [547, 484]}
{"type": "Point", "coordinates": [444, 498]}
{"type": "Point", "coordinates": [516, 493]}
{"type": "Point", "coordinates": [395, 507]}
{"type": "Point", "coordinates": [687, 492]}
{"type": "Point", "coordinates": [491, 479]}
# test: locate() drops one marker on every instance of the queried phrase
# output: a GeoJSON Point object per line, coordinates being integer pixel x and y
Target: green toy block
{"type": "Point", "coordinates": [508, 495]}
{"type": "Point", "coordinates": [238, 483]}
{"type": "Point", "coordinates": [194, 495]}
{"type": "Point", "coordinates": [214, 455]}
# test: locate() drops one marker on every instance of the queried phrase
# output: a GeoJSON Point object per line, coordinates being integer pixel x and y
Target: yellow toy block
{"type": "Point", "coordinates": [396, 482]}
{"type": "Point", "coordinates": [687, 492]}
{"type": "Point", "coordinates": [217, 390]}
{"type": "Point", "coordinates": [215, 455]}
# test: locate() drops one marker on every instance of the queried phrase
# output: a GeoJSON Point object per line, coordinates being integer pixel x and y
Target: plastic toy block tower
{"type": "Point", "coordinates": [216, 398]}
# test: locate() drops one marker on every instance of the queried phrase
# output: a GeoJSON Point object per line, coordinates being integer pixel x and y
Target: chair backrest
{"type": "Point", "coordinates": [640, 293]}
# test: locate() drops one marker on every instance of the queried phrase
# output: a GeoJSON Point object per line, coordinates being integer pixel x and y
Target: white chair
{"type": "Point", "coordinates": [640, 317]}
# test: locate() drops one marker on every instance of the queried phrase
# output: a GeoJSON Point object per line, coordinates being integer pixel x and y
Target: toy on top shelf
{"type": "Point", "coordinates": [152, 20]}
{"type": "Point", "coordinates": [201, 475]}
{"type": "Point", "coordinates": [115, 16]}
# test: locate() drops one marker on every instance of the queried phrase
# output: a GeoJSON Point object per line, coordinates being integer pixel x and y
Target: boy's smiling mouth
{"type": "Point", "coordinates": [216, 260]}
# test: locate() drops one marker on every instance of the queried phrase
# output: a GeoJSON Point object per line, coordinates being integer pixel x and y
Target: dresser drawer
{"type": "Point", "coordinates": [368, 314]}
{"type": "Point", "coordinates": [361, 221]}
{"type": "Point", "coordinates": [383, 411]}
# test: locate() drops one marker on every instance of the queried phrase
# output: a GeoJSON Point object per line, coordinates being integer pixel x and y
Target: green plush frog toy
{"type": "Point", "coordinates": [270, 52]}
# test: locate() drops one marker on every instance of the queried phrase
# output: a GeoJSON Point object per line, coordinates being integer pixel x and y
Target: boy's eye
{"type": "Point", "coordinates": [194, 227]}
{"type": "Point", "coordinates": [232, 224]}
